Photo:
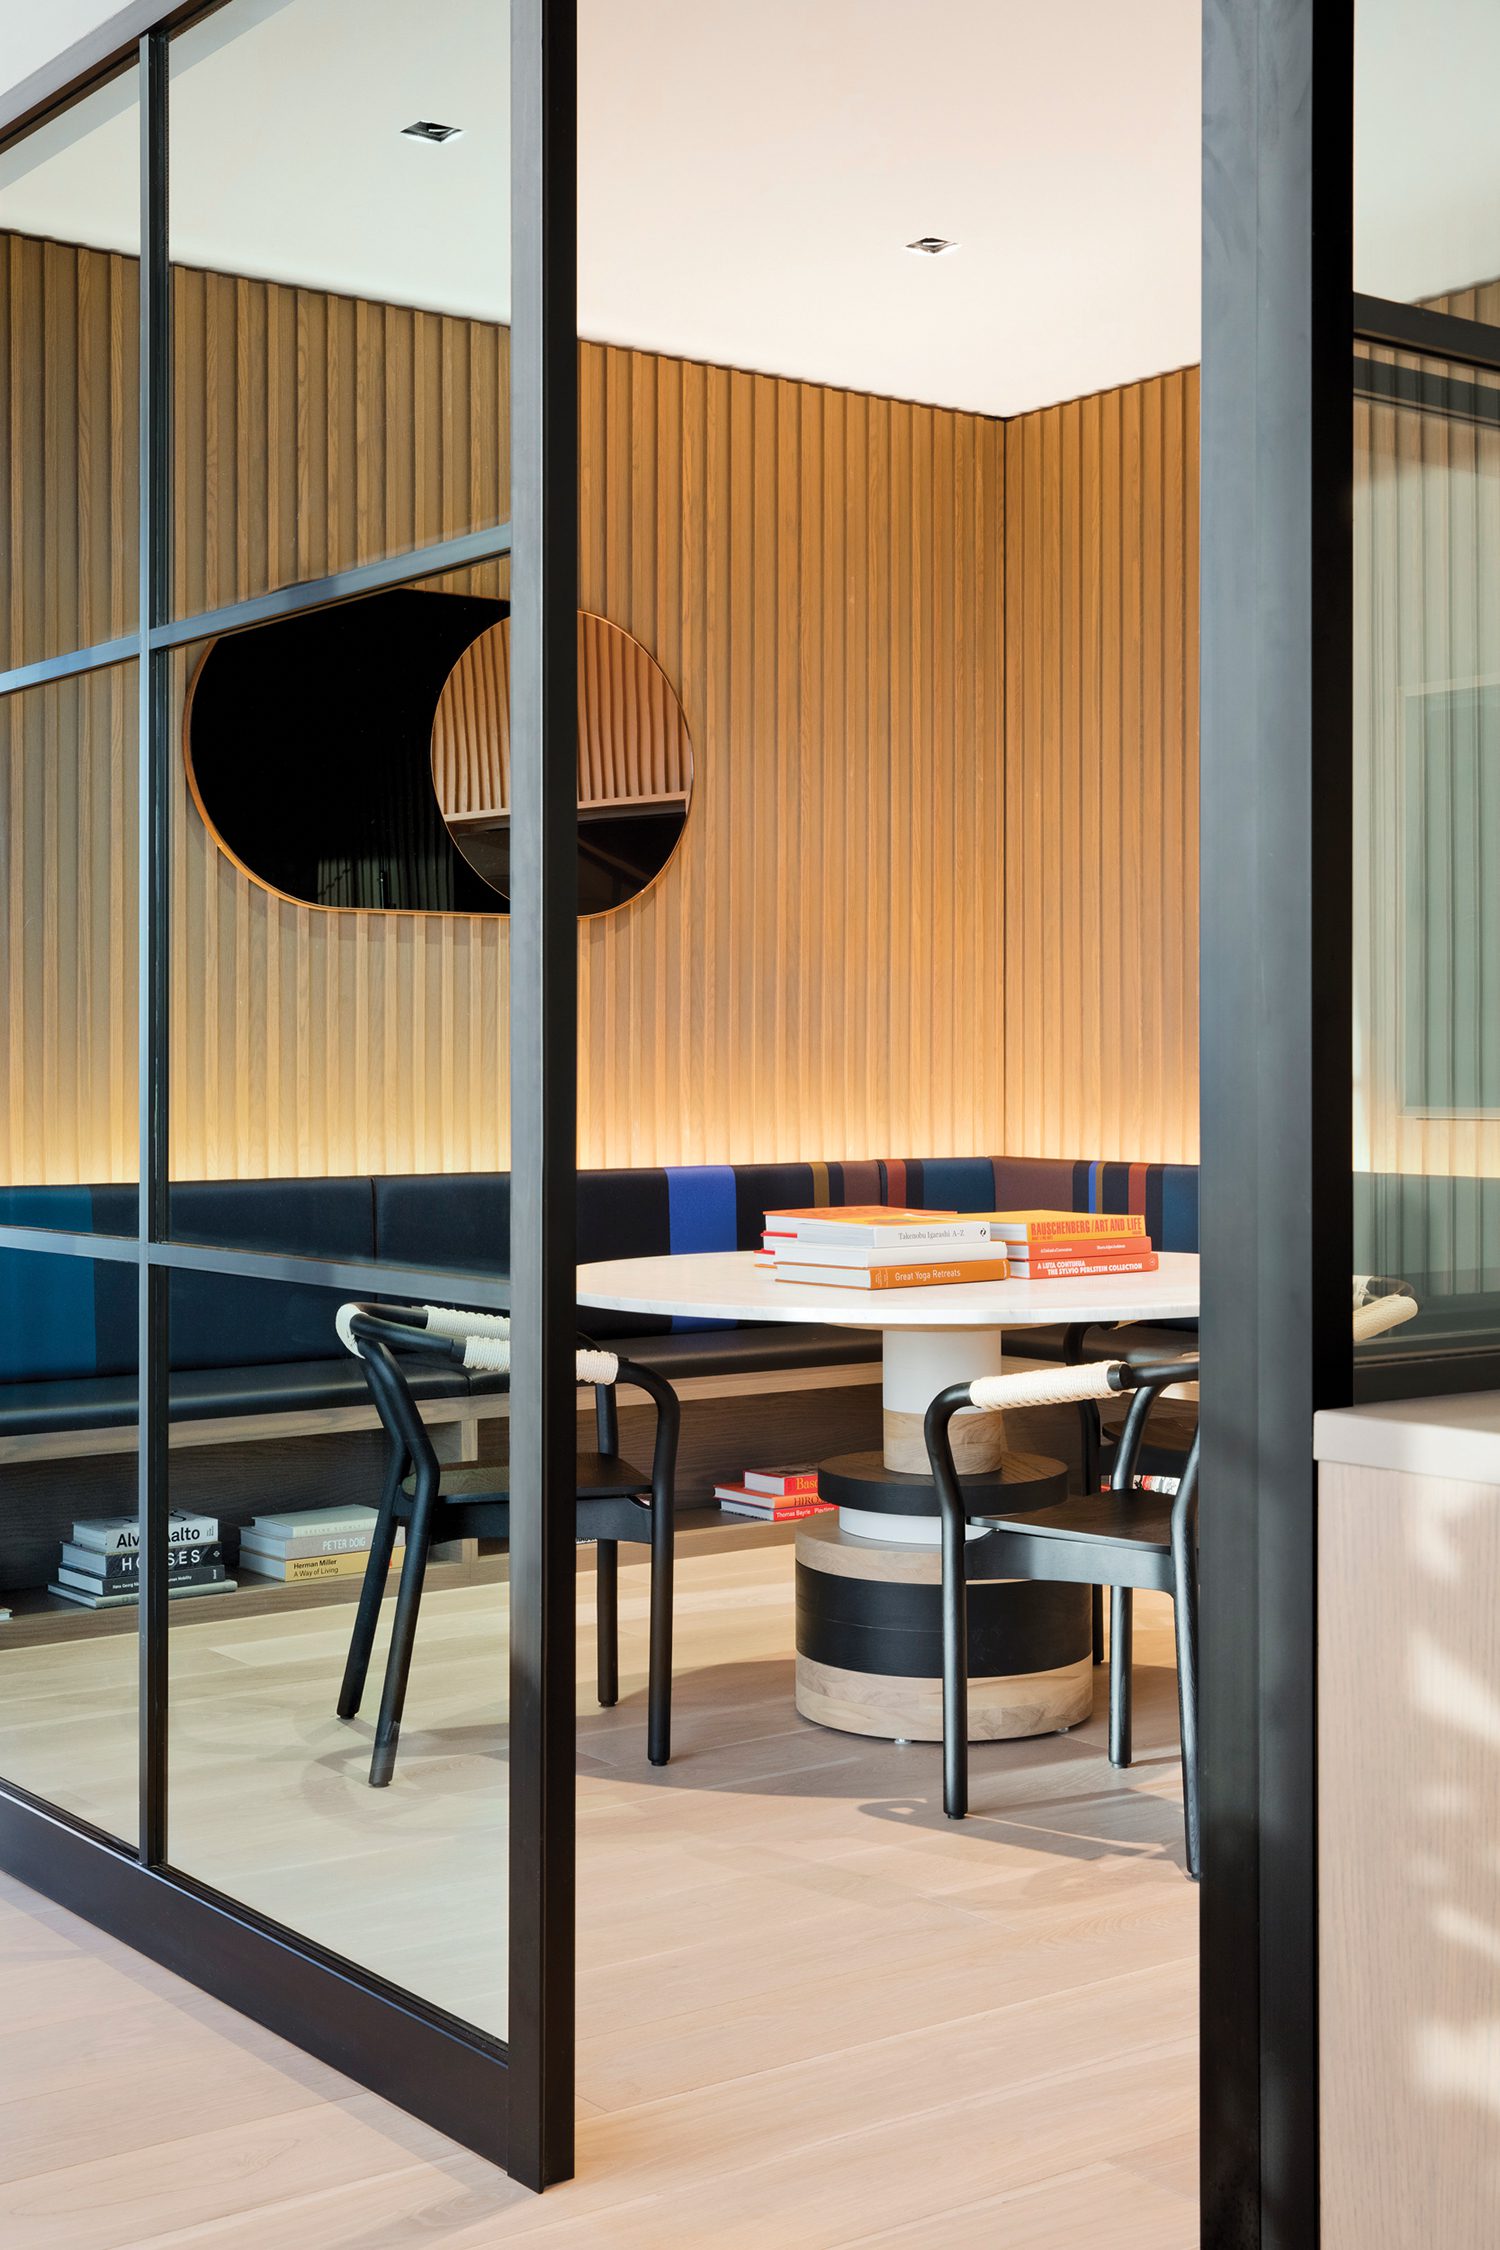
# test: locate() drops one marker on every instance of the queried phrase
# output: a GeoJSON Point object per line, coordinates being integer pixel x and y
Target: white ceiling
{"type": "Point", "coordinates": [749, 173]}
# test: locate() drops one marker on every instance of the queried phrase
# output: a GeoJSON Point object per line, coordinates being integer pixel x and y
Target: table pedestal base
{"type": "Point", "coordinates": [869, 1643]}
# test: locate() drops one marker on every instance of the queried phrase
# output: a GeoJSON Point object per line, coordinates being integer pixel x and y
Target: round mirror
{"type": "Point", "coordinates": [635, 762]}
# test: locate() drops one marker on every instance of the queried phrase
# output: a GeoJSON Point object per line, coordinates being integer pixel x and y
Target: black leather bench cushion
{"type": "Point", "coordinates": [99, 1402]}
{"type": "Point", "coordinates": [1172, 1338]}
{"type": "Point", "coordinates": [103, 1402]}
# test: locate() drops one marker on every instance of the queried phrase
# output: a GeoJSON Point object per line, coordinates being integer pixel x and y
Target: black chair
{"type": "Point", "coordinates": [1123, 1538]}
{"type": "Point", "coordinates": [615, 1501]}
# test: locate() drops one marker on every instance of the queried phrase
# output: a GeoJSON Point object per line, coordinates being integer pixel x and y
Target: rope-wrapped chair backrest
{"type": "Point", "coordinates": [1380, 1305]}
{"type": "Point", "coordinates": [479, 1342]}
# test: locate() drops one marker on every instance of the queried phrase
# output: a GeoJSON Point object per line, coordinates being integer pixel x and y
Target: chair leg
{"type": "Point", "coordinates": [659, 1679]}
{"type": "Point", "coordinates": [607, 1592]}
{"type": "Point", "coordinates": [1185, 1621]}
{"type": "Point", "coordinates": [371, 1594]}
{"type": "Point", "coordinates": [1121, 1652]}
{"type": "Point", "coordinates": [403, 1634]}
{"type": "Point", "coordinates": [955, 1593]}
{"type": "Point", "coordinates": [1097, 1593]}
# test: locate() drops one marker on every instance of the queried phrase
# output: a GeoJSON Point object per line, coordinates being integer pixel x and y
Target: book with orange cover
{"type": "Point", "coordinates": [1099, 1246]}
{"type": "Point", "coordinates": [932, 1276]}
{"type": "Point", "coordinates": [1061, 1226]}
{"type": "Point", "coordinates": [855, 1214]}
{"type": "Point", "coordinates": [740, 1500]}
{"type": "Point", "coordinates": [1074, 1269]}
{"type": "Point", "coordinates": [782, 1483]}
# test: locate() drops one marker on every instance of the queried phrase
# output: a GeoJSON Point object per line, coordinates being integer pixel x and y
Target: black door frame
{"type": "Point", "coordinates": [512, 2101]}
{"type": "Point", "coordinates": [1276, 1206]}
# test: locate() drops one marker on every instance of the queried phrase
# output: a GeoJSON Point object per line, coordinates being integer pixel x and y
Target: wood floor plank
{"type": "Point", "coordinates": [812, 2011]}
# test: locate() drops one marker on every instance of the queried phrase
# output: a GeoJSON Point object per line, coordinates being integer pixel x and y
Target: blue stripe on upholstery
{"type": "Point", "coordinates": [1179, 1207]}
{"type": "Point", "coordinates": [701, 1215]}
{"type": "Point", "coordinates": [46, 1304]}
{"type": "Point", "coordinates": [700, 1207]}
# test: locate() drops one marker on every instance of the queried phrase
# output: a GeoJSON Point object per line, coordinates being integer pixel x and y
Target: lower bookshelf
{"type": "Point", "coordinates": [38, 1616]}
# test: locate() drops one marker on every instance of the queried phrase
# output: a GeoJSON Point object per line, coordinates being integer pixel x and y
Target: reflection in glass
{"type": "Point", "coordinates": [635, 763]}
{"type": "Point", "coordinates": [271, 1793]}
{"type": "Point", "coordinates": [69, 314]}
{"type": "Point", "coordinates": [360, 757]}
{"type": "Point", "coordinates": [68, 1544]}
{"type": "Point", "coordinates": [1427, 837]}
{"type": "Point", "coordinates": [341, 287]}
{"type": "Point", "coordinates": [1427, 158]}
{"type": "Point", "coordinates": [68, 1119]}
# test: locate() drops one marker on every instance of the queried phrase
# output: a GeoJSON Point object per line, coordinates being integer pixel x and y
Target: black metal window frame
{"type": "Point", "coordinates": [511, 2100]}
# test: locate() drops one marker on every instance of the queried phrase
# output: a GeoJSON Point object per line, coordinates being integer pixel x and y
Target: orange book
{"type": "Point", "coordinates": [855, 1214]}
{"type": "Point", "coordinates": [1061, 1226]}
{"type": "Point", "coordinates": [895, 1277]}
{"type": "Point", "coordinates": [1097, 1247]}
{"type": "Point", "coordinates": [1074, 1269]}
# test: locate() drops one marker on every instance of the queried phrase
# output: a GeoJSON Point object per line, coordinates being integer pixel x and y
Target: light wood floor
{"type": "Point", "coordinates": [812, 2013]}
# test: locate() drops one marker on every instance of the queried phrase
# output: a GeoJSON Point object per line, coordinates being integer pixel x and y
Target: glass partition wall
{"type": "Point", "coordinates": [289, 425]}
{"type": "Point", "coordinates": [1426, 572]}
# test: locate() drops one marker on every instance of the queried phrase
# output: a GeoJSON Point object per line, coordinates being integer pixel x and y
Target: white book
{"type": "Point", "coordinates": [121, 1535]}
{"type": "Point", "coordinates": [297, 1550]}
{"type": "Point", "coordinates": [898, 1234]}
{"type": "Point", "coordinates": [310, 1523]}
{"type": "Point", "coordinates": [131, 1600]}
{"type": "Point", "coordinates": [879, 1253]}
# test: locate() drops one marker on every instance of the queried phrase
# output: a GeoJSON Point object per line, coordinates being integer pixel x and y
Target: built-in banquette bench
{"type": "Point", "coordinates": [268, 1411]}
{"type": "Point", "coordinates": [260, 1357]}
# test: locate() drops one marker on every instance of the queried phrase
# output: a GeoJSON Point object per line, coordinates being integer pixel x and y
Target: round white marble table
{"type": "Point", "coordinates": [929, 1339]}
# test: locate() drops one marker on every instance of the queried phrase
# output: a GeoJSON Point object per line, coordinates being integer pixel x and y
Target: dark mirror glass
{"type": "Point", "coordinates": [635, 763]}
{"type": "Point", "coordinates": [360, 757]}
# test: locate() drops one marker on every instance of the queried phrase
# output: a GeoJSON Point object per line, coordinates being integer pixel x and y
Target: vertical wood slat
{"type": "Point", "coordinates": [905, 697]}
{"type": "Point", "coordinates": [1101, 838]}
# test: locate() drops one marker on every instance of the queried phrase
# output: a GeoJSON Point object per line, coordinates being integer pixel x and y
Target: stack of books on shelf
{"type": "Point", "coordinates": [1063, 1245]}
{"type": "Point", "coordinates": [305, 1544]}
{"type": "Point", "coordinates": [875, 1246]}
{"type": "Point", "coordinates": [100, 1566]}
{"type": "Point", "coordinates": [774, 1495]}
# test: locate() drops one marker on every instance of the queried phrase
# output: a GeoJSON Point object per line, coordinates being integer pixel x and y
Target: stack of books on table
{"type": "Point", "coordinates": [875, 1246]}
{"type": "Point", "coordinates": [307, 1543]}
{"type": "Point", "coordinates": [1064, 1245]}
{"type": "Point", "coordinates": [774, 1495]}
{"type": "Point", "coordinates": [100, 1566]}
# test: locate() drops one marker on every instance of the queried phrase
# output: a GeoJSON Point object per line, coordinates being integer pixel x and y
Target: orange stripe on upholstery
{"type": "Point", "coordinates": [820, 1184]}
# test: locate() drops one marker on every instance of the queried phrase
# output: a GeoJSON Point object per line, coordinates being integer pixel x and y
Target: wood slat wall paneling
{"type": "Point", "coordinates": [1101, 825]}
{"type": "Point", "coordinates": [936, 892]}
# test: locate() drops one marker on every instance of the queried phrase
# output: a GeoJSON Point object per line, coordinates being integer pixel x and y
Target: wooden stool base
{"type": "Point", "coordinates": [869, 1642]}
{"type": "Point", "coordinates": [910, 1710]}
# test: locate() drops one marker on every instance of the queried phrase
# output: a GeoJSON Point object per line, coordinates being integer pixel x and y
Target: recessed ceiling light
{"type": "Point", "coordinates": [425, 130]}
{"type": "Point", "coordinates": [931, 246]}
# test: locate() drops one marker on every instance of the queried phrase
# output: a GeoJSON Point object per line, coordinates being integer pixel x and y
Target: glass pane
{"type": "Point", "coordinates": [69, 323]}
{"type": "Point", "coordinates": [1427, 165]}
{"type": "Point", "coordinates": [1427, 838]}
{"type": "Point", "coordinates": [68, 1546]}
{"type": "Point", "coordinates": [339, 1035]}
{"type": "Point", "coordinates": [342, 287]}
{"type": "Point", "coordinates": [68, 1119]}
{"type": "Point", "coordinates": [272, 1799]}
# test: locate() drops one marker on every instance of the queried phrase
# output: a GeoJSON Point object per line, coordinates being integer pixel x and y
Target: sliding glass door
{"type": "Point", "coordinates": [289, 299]}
